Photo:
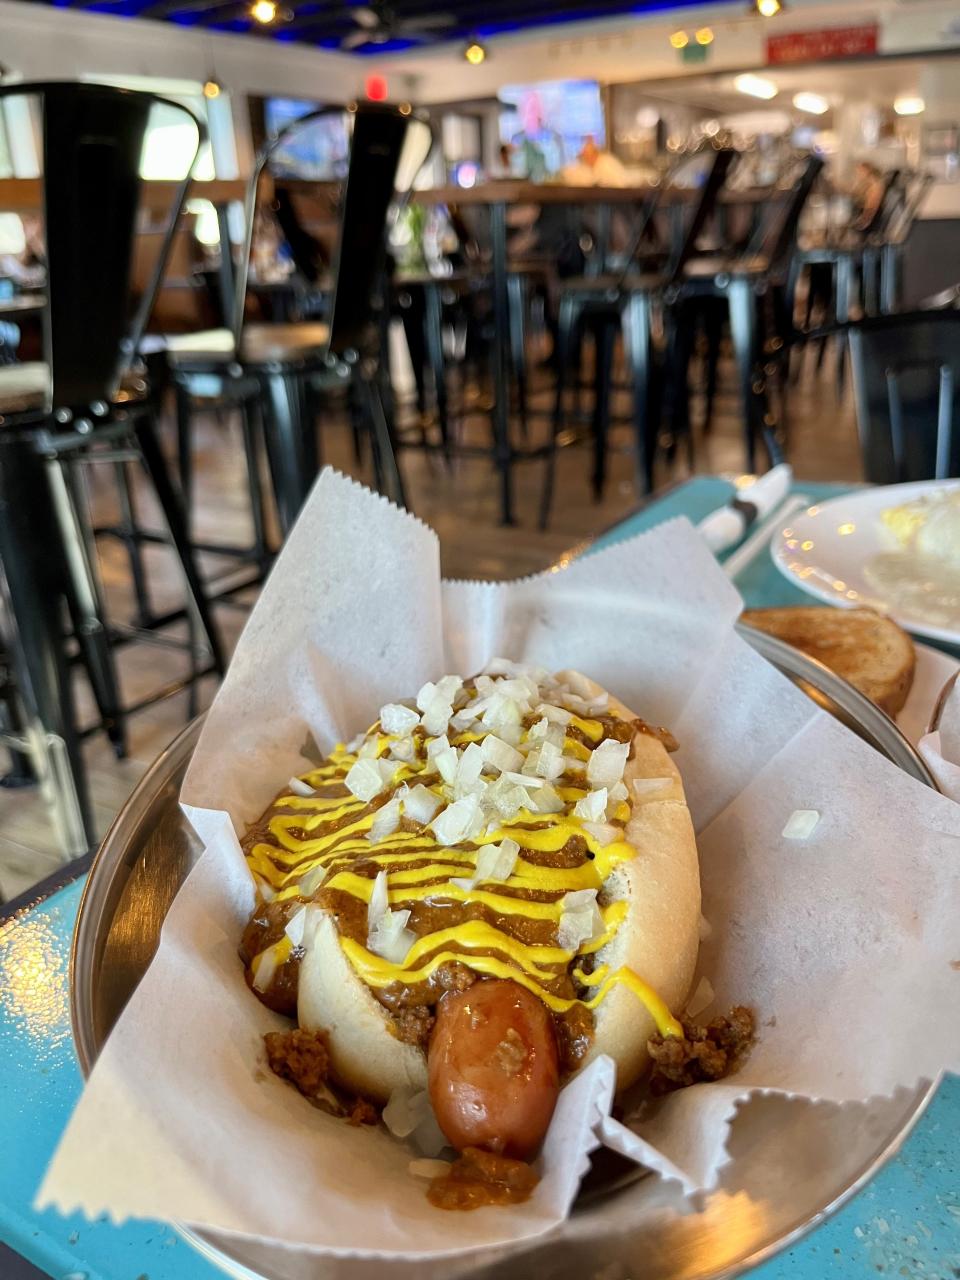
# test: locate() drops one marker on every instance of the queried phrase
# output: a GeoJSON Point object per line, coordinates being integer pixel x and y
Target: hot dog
{"type": "Point", "coordinates": [494, 884]}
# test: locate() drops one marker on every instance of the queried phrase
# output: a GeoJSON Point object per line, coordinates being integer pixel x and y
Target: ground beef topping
{"type": "Point", "coordinates": [703, 1053]}
{"type": "Point", "coordinates": [302, 1058]}
{"type": "Point", "coordinates": [479, 1178]}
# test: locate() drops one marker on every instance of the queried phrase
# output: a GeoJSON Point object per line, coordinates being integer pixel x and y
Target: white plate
{"type": "Point", "coordinates": [934, 669]}
{"type": "Point", "coordinates": [825, 549]}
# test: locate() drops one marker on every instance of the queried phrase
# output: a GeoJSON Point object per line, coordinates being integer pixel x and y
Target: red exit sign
{"type": "Point", "coordinates": [820, 46]}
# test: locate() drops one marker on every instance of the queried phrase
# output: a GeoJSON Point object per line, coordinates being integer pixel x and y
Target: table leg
{"type": "Point", "coordinates": [225, 276]}
{"type": "Point", "coordinates": [291, 444]}
{"type": "Point", "coordinates": [743, 331]}
{"type": "Point", "coordinates": [501, 396]}
{"type": "Point", "coordinates": [31, 592]}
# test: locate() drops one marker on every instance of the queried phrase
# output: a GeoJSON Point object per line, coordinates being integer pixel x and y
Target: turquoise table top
{"type": "Point", "coordinates": [905, 1223]}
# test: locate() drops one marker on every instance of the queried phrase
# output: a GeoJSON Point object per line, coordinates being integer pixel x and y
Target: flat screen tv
{"type": "Point", "coordinates": [552, 119]}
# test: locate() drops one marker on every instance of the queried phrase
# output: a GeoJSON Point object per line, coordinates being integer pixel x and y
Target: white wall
{"type": "Point", "coordinates": [40, 42]}
{"type": "Point", "coordinates": [636, 47]}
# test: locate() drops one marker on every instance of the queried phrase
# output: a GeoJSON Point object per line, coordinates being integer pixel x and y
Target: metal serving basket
{"type": "Point", "coordinates": [625, 1224]}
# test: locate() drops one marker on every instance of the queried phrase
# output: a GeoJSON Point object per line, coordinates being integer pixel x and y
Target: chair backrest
{"type": "Point", "coordinates": [906, 382]}
{"type": "Point", "coordinates": [889, 197]}
{"type": "Point", "coordinates": [388, 148]}
{"type": "Point", "coordinates": [702, 209]}
{"type": "Point", "coordinates": [93, 139]}
{"type": "Point", "coordinates": [777, 233]}
{"type": "Point", "coordinates": [914, 190]}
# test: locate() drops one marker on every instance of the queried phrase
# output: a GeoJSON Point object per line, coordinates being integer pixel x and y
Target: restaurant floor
{"type": "Point", "coordinates": [460, 504]}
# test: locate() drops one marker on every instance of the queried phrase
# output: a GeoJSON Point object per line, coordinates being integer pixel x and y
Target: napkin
{"type": "Point", "coordinates": [752, 502]}
{"type": "Point", "coordinates": [845, 943]}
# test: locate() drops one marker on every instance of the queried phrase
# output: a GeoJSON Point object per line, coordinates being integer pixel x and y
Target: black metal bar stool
{"type": "Point", "coordinates": [83, 405]}
{"type": "Point", "coordinates": [627, 301]}
{"type": "Point", "coordinates": [281, 369]}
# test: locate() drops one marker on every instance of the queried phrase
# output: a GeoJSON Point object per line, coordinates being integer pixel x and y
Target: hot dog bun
{"type": "Point", "coordinates": [365, 1055]}
{"type": "Point", "coordinates": [657, 940]}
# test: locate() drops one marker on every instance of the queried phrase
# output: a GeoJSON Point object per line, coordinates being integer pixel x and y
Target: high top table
{"type": "Point", "coordinates": [906, 1222]}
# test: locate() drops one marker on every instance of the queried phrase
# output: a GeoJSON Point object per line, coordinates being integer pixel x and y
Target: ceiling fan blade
{"type": "Point", "coordinates": [364, 16]}
{"type": "Point", "coordinates": [355, 40]}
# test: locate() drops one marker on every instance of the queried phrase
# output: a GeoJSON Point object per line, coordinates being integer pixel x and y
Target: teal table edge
{"type": "Point", "coordinates": [906, 1222]}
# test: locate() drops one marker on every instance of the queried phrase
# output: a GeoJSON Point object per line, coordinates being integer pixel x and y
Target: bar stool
{"type": "Point", "coordinates": [278, 371]}
{"type": "Point", "coordinates": [749, 284]}
{"type": "Point", "coordinates": [628, 300]}
{"type": "Point", "coordinates": [906, 388]}
{"type": "Point", "coordinates": [82, 405]}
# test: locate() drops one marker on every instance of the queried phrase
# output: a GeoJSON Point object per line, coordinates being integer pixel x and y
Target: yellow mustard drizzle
{"type": "Point", "coordinates": [336, 831]}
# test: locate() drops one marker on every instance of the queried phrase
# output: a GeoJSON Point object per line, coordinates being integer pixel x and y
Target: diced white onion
{"type": "Point", "coordinates": [436, 718]}
{"type": "Point", "coordinates": [436, 745]}
{"type": "Point", "coordinates": [801, 824]}
{"type": "Point", "coordinates": [369, 749]}
{"type": "Point", "coordinates": [603, 832]}
{"type": "Point", "coordinates": [406, 1108]}
{"type": "Point", "coordinates": [497, 861]}
{"type": "Point", "coordinates": [606, 764]}
{"type": "Point", "coordinates": [425, 695]}
{"type": "Point", "coordinates": [580, 921]}
{"type": "Point", "coordinates": [546, 800]}
{"type": "Point", "coordinates": [593, 806]}
{"type": "Point", "coordinates": [379, 901]}
{"type": "Point", "coordinates": [420, 803]}
{"type": "Point", "coordinates": [458, 822]}
{"type": "Point", "coordinates": [446, 763]}
{"type": "Point", "coordinates": [578, 899]}
{"type": "Point", "coordinates": [469, 768]}
{"type": "Point", "coordinates": [428, 1137]}
{"type": "Point", "coordinates": [649, 788]}
{"type": "Point", "coordinates": [266, 968]}
{"type": "Point", "coordinates": [312, 881]}
{"type": "Point", "coordinates": [463, 720]}
{"type": "Point", "coordinates": [390, 939]}
{"type": "Point", "coordinates": [500, 755]}
{"type": "Point", "coordinates": [354, 745]}
{"type": "Point", "coordinates": [295, 927]}
{"type": "Point", "coordinates": [509, 801]}
{"type": "Point", "coordinates": [558, 715]}
{"type": "Point", "coordinates": [387, 769]}
{"type": "Point", "coordinates": [364, 780]}
{"type": "Point", "coordinates": [618, 793]}
{"type": "Point", "coordinates": [398, 719]}
{"type": "Point", "coordinates": [701, 998]}
{"type": "Point", "coordinates": [524, 780]}
{"type": "Point", "coordinates": [545, 761]}
{"type": "Point", "coordinates": [449, 687]}
{"type": "Point", "coordinates": [301, 788]}
{"type": "Point", "coordinates": [427, 1168]}
{"type": "Point", "coordinates": [266, 891]}
{"type": "Point", "coordinates": [404, 750]}
{"type": "Point", "coordinates": [385, 821]}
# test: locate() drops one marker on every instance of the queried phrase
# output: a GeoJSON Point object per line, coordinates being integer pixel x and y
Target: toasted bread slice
{"type": "Point", "coordinates": [863, 647]}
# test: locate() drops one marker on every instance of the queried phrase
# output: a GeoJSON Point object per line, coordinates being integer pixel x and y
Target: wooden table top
{"type": "Point", "coordinates": [25, 195]}
{"type": "Point", "coordinates": [511, 191]}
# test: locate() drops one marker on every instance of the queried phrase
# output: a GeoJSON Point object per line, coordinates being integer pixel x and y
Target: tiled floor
{"type": "Point", "coordinates": [461, 504]}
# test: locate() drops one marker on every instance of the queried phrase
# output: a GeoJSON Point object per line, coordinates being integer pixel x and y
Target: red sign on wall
{"type": "Point", "coordinates": [819, 46]}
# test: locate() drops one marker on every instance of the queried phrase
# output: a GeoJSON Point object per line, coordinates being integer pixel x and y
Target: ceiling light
{"type": "Point", "coordinates": [263, 11]}
{"type": "Point", "coordinates": [212, 89]}
{"type": "Point", "coordinates": [768, 8]}
{"type": "Point", "coordinates": [475, 53]}
{"type": "Point", "coordinates": [811, 102]}
{"type": "Point", "coordinates": [679, 39]}
{"type": "Point", "coordinates": [909, 105]}
{"type": "Point", "coordinates": [755, 86]}
{"type": "Point", "coordinates": [704, 36]}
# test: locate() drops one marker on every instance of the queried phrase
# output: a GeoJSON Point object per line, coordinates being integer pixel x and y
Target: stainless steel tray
{"type": "Point", "coordinates": [624, 1225]}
